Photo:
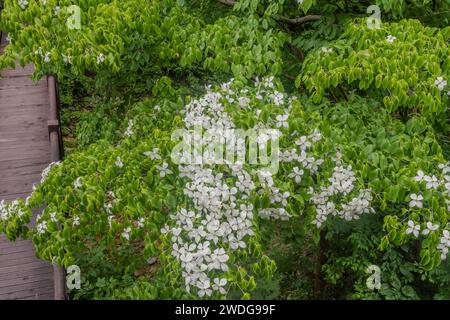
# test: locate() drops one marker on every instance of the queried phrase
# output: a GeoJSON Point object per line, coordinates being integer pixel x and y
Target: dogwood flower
{"type": "Point", "coordinates": [118, 163]}
{"type": "Point", "coordinates": [100, 58]}
{"type": "Point", "coordinates": [219, 285]}
{"type": "Point", "coordinates": [153, 154]}
{"type": "Point", "coordinates": [76, 221]}
{"type": "Point", "coordinates": [41, 228]}
{"type": "Point", "coordinates": [163, 170]}
{"type": "Point", "coordinates": [126, 233]}
{"type": "Point", "coordinates": [440, 83]}
{"type": "Point", "coordinates": [430, 227]}
{"type": "Point", "coordinates": [413, 228]}
{"type": "Point", "coordinates": [420, 176]}
{"type": "Point", "coordinates": [432, 182]}
{"type": "Point", "coordinates": [416, 200]}
{"type": "Point", "coordinates": [390, 39]}
{"type": "Point", "coordinates": [282, 121]}
{"type": "Point", "coordinates": [129, 131]}
{"type": "Point", "coordinates": [296, 174]}
{"type": "Point", "coordinates": [444, 244]}
{"type": "Point", "coordinates": [77, 183]}
{"type": "Point", "coordinates": [23, 4]}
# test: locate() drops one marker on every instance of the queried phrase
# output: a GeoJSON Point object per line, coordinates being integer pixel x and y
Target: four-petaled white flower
{"type": "Point", "coordinates": [430, 227]}
{"type": "Point", "coordinates": [153, 154]}
{"type": "Point", "coordinates": [416, 200]}
{"type": "Point", "coordinates": [219, 285]}
{"type": "Point", "coordinates": [163, 170]}
{"type": "Point", "coordinates": [327, 50]}
{"type": "Point", "coordinates": [420, 176]}
{"type": "Point", "coordinates": [440, 83]}
{"type": "Point", "coordinates": [390, 39]}
{"type": "Point", "coordinates": [413, 228]}
{"type": "Point", "coordinates": [282, 120]}
{"type": "Point", "coordinates": [303, 143]}
{"type": "Point", "coordinates": [432, 182]}
{"type": "Point", "coordinates": [296, 174]}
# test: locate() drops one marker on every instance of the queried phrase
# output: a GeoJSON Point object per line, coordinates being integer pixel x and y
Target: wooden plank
{"type": "Point", "coordinates": [32, 286]}
{"type": "Point", "coordinates": [24, 274]}
{"type": "Point", "coordinates": [28, 279]}
{"type": "Point", "coordinates": [29, 266]}
{"type": "Point", "coordinates": [45, 293]}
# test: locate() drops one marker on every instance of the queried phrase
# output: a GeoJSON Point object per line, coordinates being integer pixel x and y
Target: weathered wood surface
{"type": "Point", "coordinates": [24, 153]}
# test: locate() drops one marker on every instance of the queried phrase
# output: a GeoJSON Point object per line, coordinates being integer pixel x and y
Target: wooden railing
{"type": "Point", "coordinates": [56, 154]}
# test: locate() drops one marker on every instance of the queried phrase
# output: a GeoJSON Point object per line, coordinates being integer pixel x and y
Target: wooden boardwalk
{"type": "Point", "coordinates": [24, 153]}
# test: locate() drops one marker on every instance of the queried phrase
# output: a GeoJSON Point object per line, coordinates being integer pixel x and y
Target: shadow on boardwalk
{"type": "Point", "coordinates": [24, 153]}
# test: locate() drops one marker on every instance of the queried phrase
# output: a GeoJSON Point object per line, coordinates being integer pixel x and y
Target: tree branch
{"type": "Point", "coordinates": [298, 20]}
{"type": "Point", "coordinates": [228, 2]}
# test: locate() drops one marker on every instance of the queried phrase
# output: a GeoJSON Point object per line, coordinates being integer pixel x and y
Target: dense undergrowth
{"type": "Point", "coordinates": [363, 178]}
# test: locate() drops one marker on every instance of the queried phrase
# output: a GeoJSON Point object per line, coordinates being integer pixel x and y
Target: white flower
{"type": "Point", "coordinates": [282, 120]}
{"type": "Point", "coordinates": [118, 162]}
{"type": "Point", "coordinates": [129, 131]}
{"type": "Point", "coordinates": [110, 219]}
{"type": "Point", "coordinates": [296, 174]}
{"type": "Point", "coordinates": [303, 143]}
{"type": "Point", "coordinates": [47, 57]}
{"type": "Point", "coordinates": [416, 200]}
{"type": "Point", "coordinates": [440, 83]}
{"type": "Point", "coordinates": [430, 227]}
{"type": "Point", "coordinates": [126, 233]}
{"type": "Point", "coordinates": [327, 50]}
{"type": "Point", "coordinates": [41, 227]}
{"type": "Point", "coordinates": [390, 39]}
{"type": "Point", "coordinates": [77, 183]}
{"type": "Point", "coordinates": [100, 58]}
{"type": "Point", "coordinates": [56, 10]}
{"type": "Point", "coordinates": [140, 223]}
{"type": "Point", "coordinates": [219, 285]}
{"type": "Point", "coordinates": [67, 59]}
{"type": "Point", "coordinates": [153, 154]}
{"type": "Point", "coordinates": [414, 229]}
{"type": "Point", "coordinates": [432, 182]}
{"type": "Point", "coordinates": [53, 217]}
{"type": "Point", "coordinates": [204, 286]}
{"type": "Point", "coordinates": [76, 221]}
{"type": "Point", "coordinates": [444, 244]}
{"type": "Point", "coordinates": [420, 176]}
{"type": "Point", "coordinates": [23, 4]}
{"type": "Point", "coordinates": [163, 170]}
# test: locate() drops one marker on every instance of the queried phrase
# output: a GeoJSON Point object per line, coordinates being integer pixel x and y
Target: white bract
{"type": "Point", "coordinates": [413, 228]}
{"type": "Point", "coordinates": [441, 83]}
{"type": "Point", "coordinates": [416, 200]}
{"type": "Point", "coordinates": [390, 39]}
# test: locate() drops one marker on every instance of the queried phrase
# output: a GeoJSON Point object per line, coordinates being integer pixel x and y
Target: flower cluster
{"type": "Point", "coordinates": [10, 209]}
{"type": "Point", "coordinates": [220, 217]}
{"type": "Point", "coordinates": [439, 185]}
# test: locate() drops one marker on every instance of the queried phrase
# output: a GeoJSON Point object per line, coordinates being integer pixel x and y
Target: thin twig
{"type": "Point", "coordinates": [296, 21]}
{"type": "Point", "coordinates": [299, 20]}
